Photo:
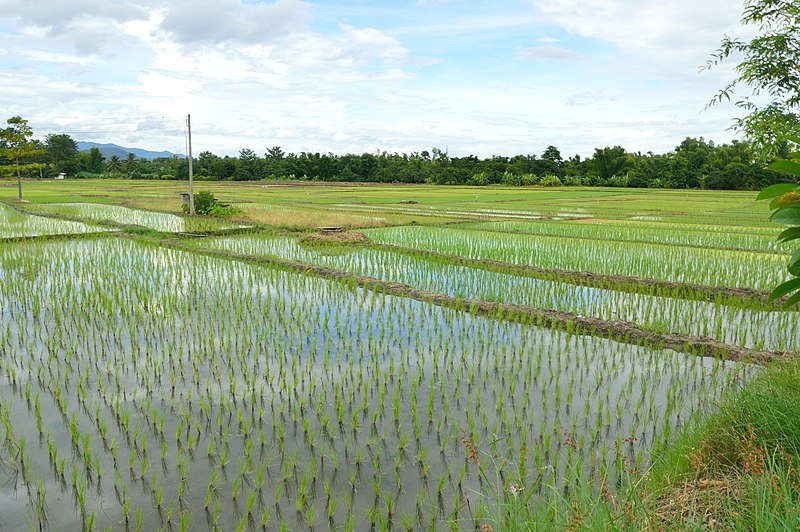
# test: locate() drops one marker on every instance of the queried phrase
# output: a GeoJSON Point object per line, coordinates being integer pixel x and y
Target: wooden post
{"type": "Point", "coordinates": [191, 184]}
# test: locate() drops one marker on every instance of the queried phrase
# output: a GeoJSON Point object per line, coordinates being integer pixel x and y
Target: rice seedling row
{"type": "Point", "coordinates": [575, 324]}
{"type": "Point", "coordinates": [666, 233]}
{"type": "Point", "coordinates": [17, 224]}
{"type": "Point", "coordinates": [119, 215]}
{"type": "Point", "coordinates": [742, 297]}
{"type": "Point", "coordinates": [758, 271]}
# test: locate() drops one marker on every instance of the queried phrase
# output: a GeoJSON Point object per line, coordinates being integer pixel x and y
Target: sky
{"type": "Point", "coordinates": [500, 77]}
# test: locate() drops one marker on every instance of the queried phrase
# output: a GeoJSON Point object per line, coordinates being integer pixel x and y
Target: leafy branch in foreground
{"type": "Point", "coordinates": [785, 207]}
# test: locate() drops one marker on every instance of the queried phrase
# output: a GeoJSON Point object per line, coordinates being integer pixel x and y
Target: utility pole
{"type": "Point", "coordinates": [191, 185]}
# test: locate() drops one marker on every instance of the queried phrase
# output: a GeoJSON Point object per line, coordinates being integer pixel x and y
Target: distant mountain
{"type": "Point", "coordinates": [112, 149]}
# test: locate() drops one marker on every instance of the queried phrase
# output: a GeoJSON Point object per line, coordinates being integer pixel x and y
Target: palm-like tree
{"type": "Point", "coordinates": [114, 165]}
{"type": "Point", "coordinates": [131, 164]}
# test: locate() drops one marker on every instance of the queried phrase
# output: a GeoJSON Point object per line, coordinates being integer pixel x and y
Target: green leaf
{"type": "Point", "coordinates": [789, 215]}
{"type": "Point", "coordinates": [784, 288]}
{"type": "Point", "coordinates": [787, 235]}
{"type": "Point", "coordinates": [792, 300]}
{"type": "Point", "coordinates": [793, 138]}
{"type": "Point", "coordinates": [773, 191]}
{"type": "Point", "coordinates": [785, 167]}
{"type": "Point", "coordinates": [794, 263]}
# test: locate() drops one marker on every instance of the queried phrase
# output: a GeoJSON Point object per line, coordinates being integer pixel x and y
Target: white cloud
{"type": "Point", "coordinates": [61, 16]}
{"type": "Point", "coordinates": [46, 56]}
{"type": "Point", "coordinates": [550, 52]}
{"type": "Point", "coordinates": [668, 33]}
{"type": "Point", "coordinates": [260, 74]}
{"type": "Point", "coordinates": [88, 27]}
{"type": "Point", "coordinates": [374, 41]}
{"type": "Point", "coordinates": [231, 21]}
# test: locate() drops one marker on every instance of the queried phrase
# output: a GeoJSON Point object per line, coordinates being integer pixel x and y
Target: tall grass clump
{"type": "Point", "coordinates": [763, 416]}
{"type": "Point", "coordinates": [751, 448]}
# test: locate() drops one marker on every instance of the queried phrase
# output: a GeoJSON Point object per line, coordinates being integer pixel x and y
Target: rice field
{"type": "Point", "coordinates": [674, 234]}
{"type": "Point", "coordinates": [145, 385]}
{"type": "Point", "coordinates": [116, 214]}
{"type": "Point", "coordinates": [15, 224]}
{"type": "Point", "coordinates": [694, 265]}
{"type": "Point", "coordinates": [747, 327]}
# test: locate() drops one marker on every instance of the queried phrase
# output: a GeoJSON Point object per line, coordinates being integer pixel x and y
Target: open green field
{"type": "Point", "coordinates": [484, 357]}
{"type": "Point", "coordinates": [433, 204]}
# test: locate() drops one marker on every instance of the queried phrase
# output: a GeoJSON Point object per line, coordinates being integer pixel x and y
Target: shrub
{"type": "Point", "coordinates": [480, 180]}
{"type": "Point", "coordinates": [206, 203]}
{"type": "Point", "coordinates": [550, 181]}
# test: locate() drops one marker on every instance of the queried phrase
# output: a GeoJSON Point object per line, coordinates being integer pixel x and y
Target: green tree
{"type": "Point", "coordinates": [274, 162]}
{"type": "Point", "coordinates": [62, 152]}
{"type": "Point", "coordinates": [769, 67]}
{"type": "Point", "coordinates": [552, 154]}
{"type": "Point", "coordinates": [690, 163]}
{"type": "Point", "coordinates": [131, 164]}
{"type": "Point", "coordinates": [115, 165]}
{"type": "Point", "coordinates": [206, 163]}
{"type": "Point", "coordinates": [553, 162]}
{"type": "Point", "coordinates": [95, 162]}
{"type": "Point", "coordinates": [248, 168]}
{"type": "Point", "coordinates": [609, 162]}
{"type": "Point", "coordinates": [785, 204]}
{"type": "Point", "coordinates": [18, 146]}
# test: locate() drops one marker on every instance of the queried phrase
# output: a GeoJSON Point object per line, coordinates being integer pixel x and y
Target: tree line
{"type": "Point", "coordinates": [694, 163]}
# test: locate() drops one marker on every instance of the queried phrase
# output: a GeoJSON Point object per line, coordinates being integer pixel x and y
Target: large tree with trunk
{"type": "Point", "coordinates": [18, 147]}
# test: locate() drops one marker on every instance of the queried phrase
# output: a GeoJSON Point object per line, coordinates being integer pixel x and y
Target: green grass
{"type": "Point", "coordinates": [751, 444]}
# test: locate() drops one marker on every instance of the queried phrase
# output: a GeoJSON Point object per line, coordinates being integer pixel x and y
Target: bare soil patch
{"type": "Point", "coordinates": [334, 238]}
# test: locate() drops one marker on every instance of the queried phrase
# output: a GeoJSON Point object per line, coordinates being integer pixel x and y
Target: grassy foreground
{"type": "Point", "coordinates": [737, 470]}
